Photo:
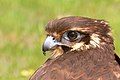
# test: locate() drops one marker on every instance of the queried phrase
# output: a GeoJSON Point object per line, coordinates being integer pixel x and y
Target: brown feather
{"type": "Point", "coordinates": [94, 64]}
{"type": "Point", "coordinates": [98, 63]}
{"type": "Point", "coordinates": [58, 26]}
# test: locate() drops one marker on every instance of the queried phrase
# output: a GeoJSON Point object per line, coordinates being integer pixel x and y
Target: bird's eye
{"type": "Point", "coordinates": [71, 35]}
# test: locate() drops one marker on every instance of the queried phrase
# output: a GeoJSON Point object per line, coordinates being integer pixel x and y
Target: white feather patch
{"type": "Point", "coordinates": [77, 46]}
{"type": "Point", "coordinates": [94, 42]}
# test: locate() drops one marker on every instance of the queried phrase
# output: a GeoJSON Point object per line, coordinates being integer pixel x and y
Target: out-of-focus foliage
{"type": "Point", "coordinates": [22, 29]}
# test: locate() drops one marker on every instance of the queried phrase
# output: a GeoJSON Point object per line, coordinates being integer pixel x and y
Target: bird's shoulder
{"type": "Point", "coordinates": [80, 66]}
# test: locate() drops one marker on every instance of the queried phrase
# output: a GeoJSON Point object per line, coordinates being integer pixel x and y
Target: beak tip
{"type": "Point", "coordinates": [44, 49]}
{"type": "Point", "coordinates": [44, 53]}
{"type": "Point", "coordinates": [49, 44]}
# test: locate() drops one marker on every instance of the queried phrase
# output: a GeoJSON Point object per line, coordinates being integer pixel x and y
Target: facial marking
{"type": "Point", "coordinates": [80, 29]}
{"type": "Point", "coordinates": [86, 26]}
{"type": "Point", "coordinates": [78, 46]}
{"type": "Point", "coordinates": [57, 52]}
{"type": "Point", "coordinates": [95, 40]}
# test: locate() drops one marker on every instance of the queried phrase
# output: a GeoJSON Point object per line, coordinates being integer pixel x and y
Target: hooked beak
{"type": "Point", "coordinates": [49, 44]}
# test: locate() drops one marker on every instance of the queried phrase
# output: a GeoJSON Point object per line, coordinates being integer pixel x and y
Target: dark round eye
{"type": "Point", "coordinates": [72, 35]}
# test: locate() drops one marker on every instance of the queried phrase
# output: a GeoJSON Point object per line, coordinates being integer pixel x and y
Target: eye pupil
{"type": "Point", "coordinates": [72, 35]}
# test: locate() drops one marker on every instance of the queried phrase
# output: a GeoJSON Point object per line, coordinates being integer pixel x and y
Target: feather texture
{"type": "Point", "coordinates": [90, 58]}
{"type": "Point", "coordinates": [94, 64]}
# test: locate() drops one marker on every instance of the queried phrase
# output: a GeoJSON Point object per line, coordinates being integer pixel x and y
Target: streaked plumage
{"type": "Point", "coordinates": [82, 49]}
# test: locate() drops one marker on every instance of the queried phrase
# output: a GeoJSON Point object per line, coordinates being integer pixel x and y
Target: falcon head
{"type": "Point", "coordinates": [76, 34]}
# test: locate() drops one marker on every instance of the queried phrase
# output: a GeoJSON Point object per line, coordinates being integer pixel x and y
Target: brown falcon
{"type": "Point", "coordinates": [81, 49]}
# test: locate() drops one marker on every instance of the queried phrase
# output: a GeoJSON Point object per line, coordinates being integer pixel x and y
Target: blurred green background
{"type": "Point", "coordinates": [22, 29]}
